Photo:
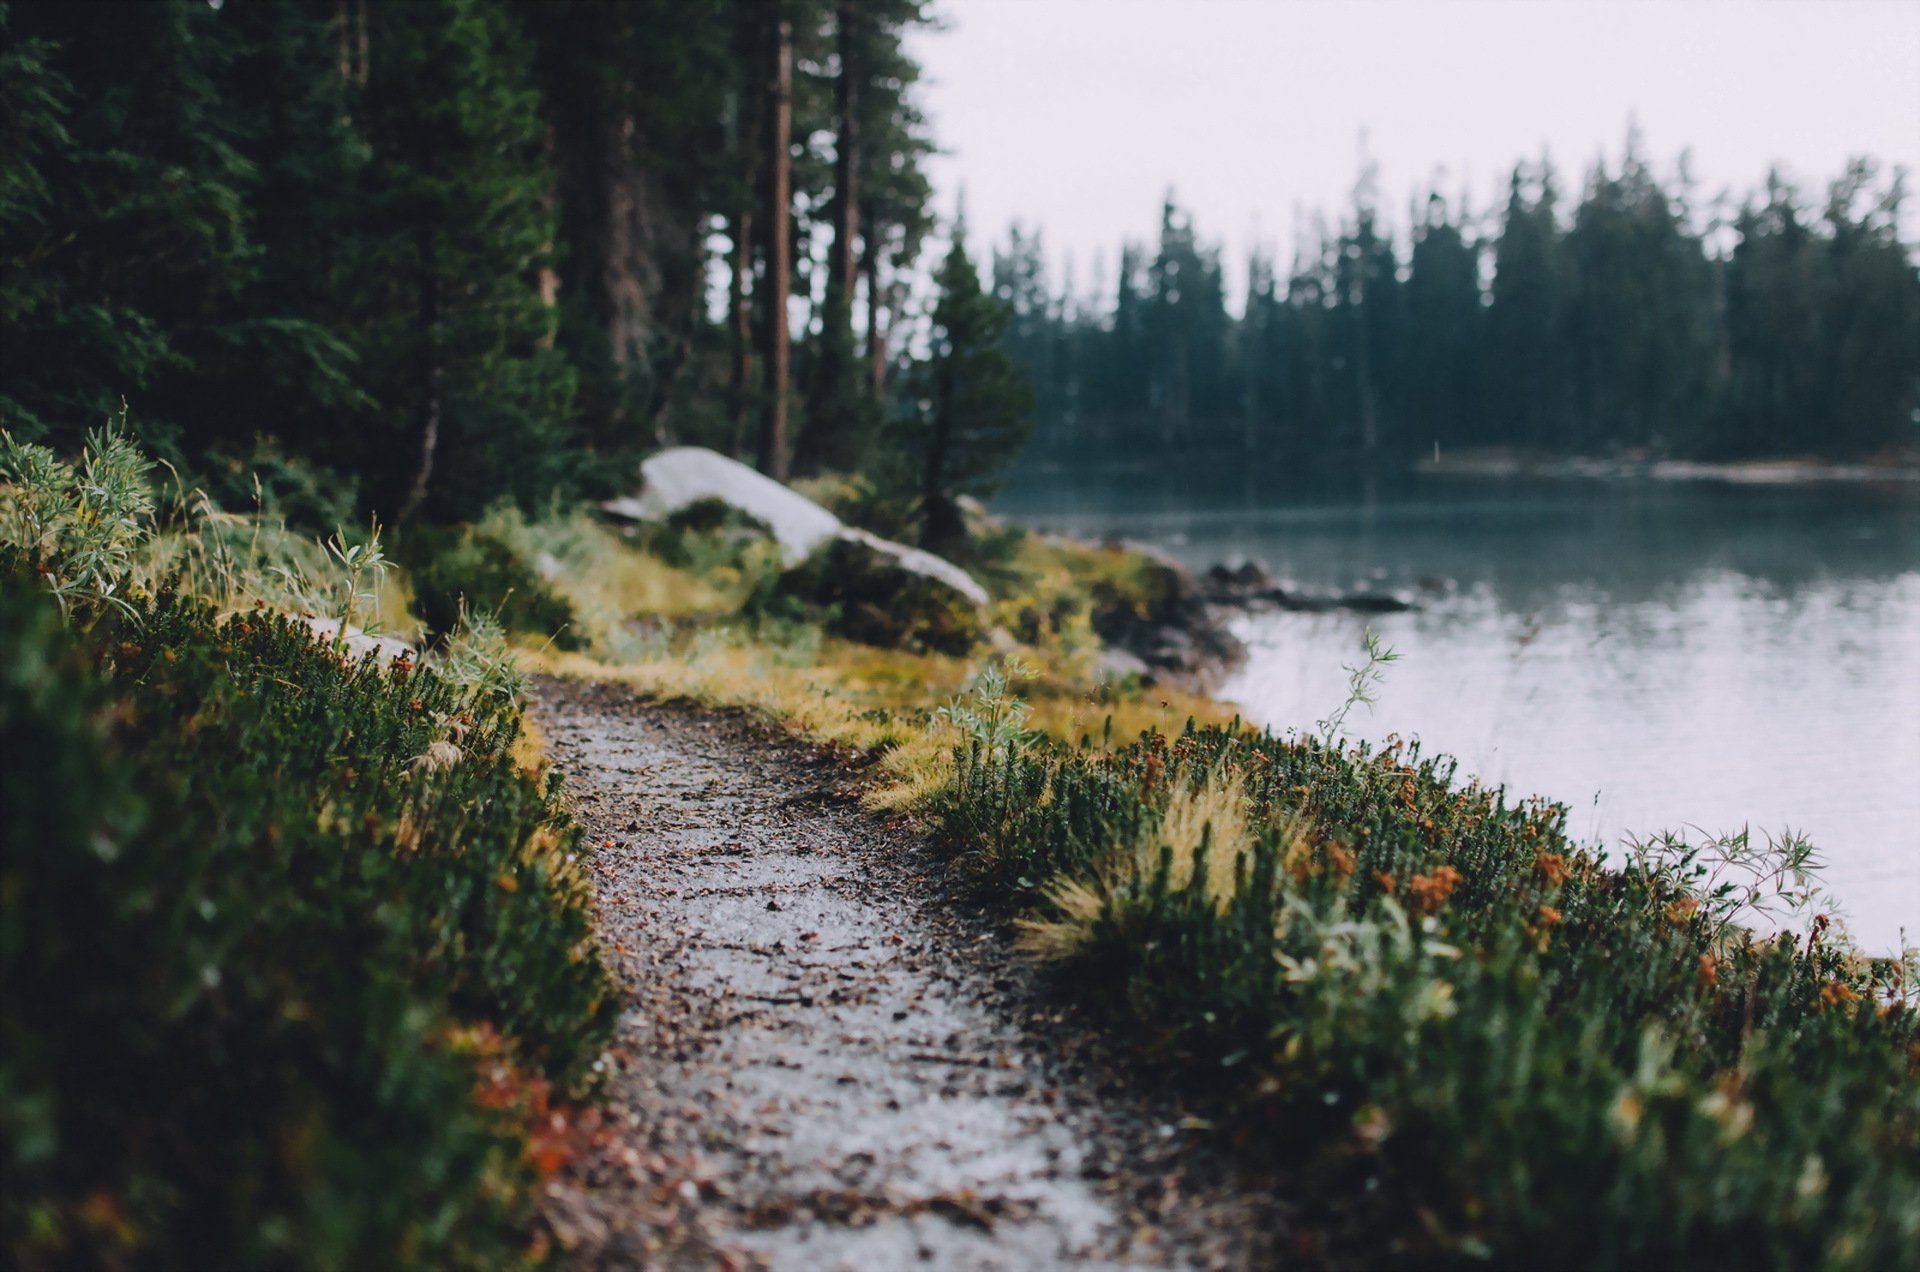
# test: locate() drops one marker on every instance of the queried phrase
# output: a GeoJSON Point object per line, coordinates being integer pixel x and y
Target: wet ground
{"type": "Point", "coordinates": [828, 1058]}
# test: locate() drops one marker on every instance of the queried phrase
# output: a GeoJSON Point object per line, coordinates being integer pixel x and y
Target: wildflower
{"type": "Point", "coordinates": [1340, 860]}
{"type": "Point", "coordinates": [1430, 892]}
{"type": "Point", "coordinates": [1836, 993]}
{"type": "Point", "coordinates": [1548, 916]}
{"type": "Point", "coordinates": [1681, 909]}
{"type": "Point", "coordinates": [1552, 867]}
{"type": "Point", "coordinates": [1708, 974]}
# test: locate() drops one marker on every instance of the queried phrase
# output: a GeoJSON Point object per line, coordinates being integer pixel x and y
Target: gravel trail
{"type": "Point", "coordinates": [827, 1060]}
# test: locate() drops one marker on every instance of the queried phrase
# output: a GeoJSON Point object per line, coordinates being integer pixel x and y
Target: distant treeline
{"type": "Point", "coordinates": [1633, 321]}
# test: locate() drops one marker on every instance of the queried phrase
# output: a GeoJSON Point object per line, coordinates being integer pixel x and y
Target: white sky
{"type": "Point", "coordinates": [1076, 115]}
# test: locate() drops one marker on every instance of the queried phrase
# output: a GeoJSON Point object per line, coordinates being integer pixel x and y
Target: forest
{"type": "Point", "coordinates": [1644, 317]}
{"type": "Point", "coordinates": [417, 258]}
{"type": "Point", "coordinates": [447, 253]}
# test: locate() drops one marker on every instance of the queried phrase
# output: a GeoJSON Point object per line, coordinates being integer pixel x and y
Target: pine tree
{"type": "Point", "coordinates": [974, 405]}
{"type": "Point", "coordinates": [1526, 397]}
{"type": "Point", "coordinates": [473, 398]}
{"type": "Point", "coordinates": [124, 222]}
{"type": "Point", "coordinates": [1439, 382]}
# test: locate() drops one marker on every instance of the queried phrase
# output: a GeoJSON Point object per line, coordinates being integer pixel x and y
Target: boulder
{"type": "Point", "coordinates": [879, 592]}
{"type": "Point", "coordinates": [681, 477]}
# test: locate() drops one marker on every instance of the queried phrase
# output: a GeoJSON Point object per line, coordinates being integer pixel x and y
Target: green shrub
{"type": "Point", "coordinates": [859, 592]}
{"type": "Point", "coordinates": [459, 567]}
{"type": "Point", "coordinates": [1537, 1058]}
{"type": "Point", "coordinates": [261, 910]}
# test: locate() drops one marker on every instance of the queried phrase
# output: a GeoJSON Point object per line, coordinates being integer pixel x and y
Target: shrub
{"type": "Point", "coordinates": [866, 595]}
{"type": "Point", "coordinates": [456, 568]}
{"type": "Point", "coordinates": [1546, 1061]}
{"type": "Point", "coordinates": [262, 913]}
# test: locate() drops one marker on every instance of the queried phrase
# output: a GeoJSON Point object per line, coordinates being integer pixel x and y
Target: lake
{"type": "Point", "coordinates": [1654, 655]}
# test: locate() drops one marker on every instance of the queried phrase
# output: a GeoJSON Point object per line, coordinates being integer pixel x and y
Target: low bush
{"type": "Point", "coordinates": [1528, 1056]}
{"type": "Point", "coordinates": [272, 925]}
{"type": "Point", "coordinates": [458, 569]}
{"type": "Point", "coordinates": [857, 591]}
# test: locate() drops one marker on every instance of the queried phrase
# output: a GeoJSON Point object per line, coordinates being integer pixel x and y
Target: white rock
{"type": "Point", "coordinates": [358, 643]}
{"type": "Point", "coordinates": [920, 562]}
{"type": "Point", "coordinates": [684, 475]}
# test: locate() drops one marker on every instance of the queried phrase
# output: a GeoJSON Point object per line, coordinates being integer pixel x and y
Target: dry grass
{"type": "Point", "coordinates": [1212, 816]}
{"type": "Point", "coordinates": [876, 703]}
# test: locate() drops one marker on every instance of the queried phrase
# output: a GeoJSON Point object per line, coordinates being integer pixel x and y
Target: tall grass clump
{"type": "Point", "coordinates": [1422, 993]}
{"type": "Point", "coordinates": [295, 959]}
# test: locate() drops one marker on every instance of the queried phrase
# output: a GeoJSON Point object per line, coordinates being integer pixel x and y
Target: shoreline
{"type": "Point", "coordinates": [1750, 472]}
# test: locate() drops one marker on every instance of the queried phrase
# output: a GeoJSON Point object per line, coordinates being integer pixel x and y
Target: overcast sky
{"type": "Point", "coordinates": [1077, 115]}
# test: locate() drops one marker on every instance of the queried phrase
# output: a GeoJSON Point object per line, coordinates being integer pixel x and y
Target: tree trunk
{"type": "Point", "coordinates": [659, 410]}
{"type": "Point", "coordinates": [432, 377]}
{"type": "Point", "coordinates": [941, 525]}
{"type": "Point", "coordinates": [773, 419]}
{"type": "Point", "coordinates": [740, 314]}
{"type": "Point", "coordinates": [876, 333]}
{"type": "Point", "coordinates": [827, 440]}
{"type": "Point", "coordinates": [846, 158]}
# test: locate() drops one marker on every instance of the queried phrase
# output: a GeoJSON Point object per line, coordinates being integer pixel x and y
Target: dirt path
{"type": "Point", "coordinates": [826, 1062]}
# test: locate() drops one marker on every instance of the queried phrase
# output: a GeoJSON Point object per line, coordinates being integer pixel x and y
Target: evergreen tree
{"type": "Point", "coordinates": [1263, 351]}
{"type": "Point", "coordinates": [1525, 323]}
{"type": "Point", "coordinates": [638, 134]}
{"type": "Point", "coordinates": [1439, 386]}
{"type": "Point", "coordinates": [973, 408]}
{"type": "Point", "coordinates": [1639, 314]}
{"type": "Point", "coordinates": [473, 398]}
{"type": "Point", "coordinates": [125, 226]}
{"type": "Point", "coordinates": [1184, 325]}
{"type": "Point", "coordinates": [1775, 294]}
{"type": "Point", "coordinates": [1870, 318]}
{"type": "Point", "coordinates": [870, 78]}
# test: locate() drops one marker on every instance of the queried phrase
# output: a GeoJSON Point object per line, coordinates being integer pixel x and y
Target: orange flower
{"type": "Point", "coordinates": [1430, 892]}
{"type": "Point", "coordinates": [1340, 860]}
{"type": "Point", "coordinates": [1709, 973]}
{"type": "Point", "coordinates": [1552, 867]}
{"type": "Point", "coordinates": [1835, 994]}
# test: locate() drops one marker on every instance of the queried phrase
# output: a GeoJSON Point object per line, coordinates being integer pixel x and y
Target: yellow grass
{"type": "Point", "coordinates": [1213, 814]}
{"type": "Point", "coordinates": [879, 704]}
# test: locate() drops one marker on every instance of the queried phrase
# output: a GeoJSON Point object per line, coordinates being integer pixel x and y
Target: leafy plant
{"type": "Point", "coordinates": [1363, 681]}
{"type": "Point", "coordinates": [989, 715]}
{"type": "Point", "coordinates": [78, 527]}
{"type": "Point", "coordinates": [1733, 880]}
{"type": "Point", "coordinates": [355, 560]}
{"type": "Point", "coordinates": [259, 958]}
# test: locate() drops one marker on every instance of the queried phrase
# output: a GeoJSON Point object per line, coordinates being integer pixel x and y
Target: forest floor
{"type": "Point", "coordinates": [829, 1057]}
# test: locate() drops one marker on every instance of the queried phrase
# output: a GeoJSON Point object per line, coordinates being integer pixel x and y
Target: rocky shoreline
{"type": "Point", "coordinates": [1187, 637]}
{"type": "Point", "coordinates": [1756, 472]}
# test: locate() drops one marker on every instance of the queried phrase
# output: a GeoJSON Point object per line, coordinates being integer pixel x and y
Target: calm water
{"type": "Point", "coordinates": [1655, 656]}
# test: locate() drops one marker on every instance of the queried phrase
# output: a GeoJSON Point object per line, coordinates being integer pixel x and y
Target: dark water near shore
{"type": "Point", "coordinates": [1654, 655]}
